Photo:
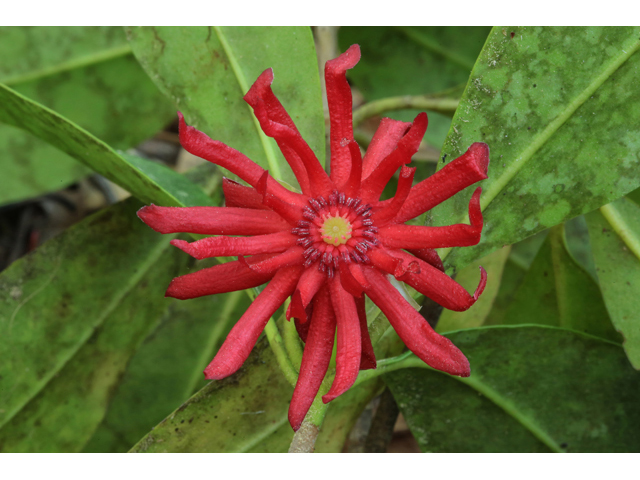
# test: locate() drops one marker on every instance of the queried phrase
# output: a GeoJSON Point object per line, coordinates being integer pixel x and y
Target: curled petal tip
{"type": "Point", "coordinates": [480, 152]}
{"type": "Point", "coordinates": [482, 284]}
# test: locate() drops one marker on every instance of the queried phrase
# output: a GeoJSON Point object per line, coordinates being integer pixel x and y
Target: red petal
{"type": "Point", "coordinates": [352, 186]}
{"type": "Point", "coordinates": [458, 175]}
{"type": "Point", "coordinates": [212, 220]}
{"type": "Point", "coordinates": [234, 246]}
{"type": "Point", "coordinates": [349, 283]}
{"type": "Point", "coordinates": [340, 112]}
{"type": "Point", "coordinates": [416, 237]}
{"type": "Point", "coordinates": [438, 286]}
{"type": "Point", "coordinates": [293, 256]}
{"type": "Point", "coordinates": [243, 336]}
{"type": "Point", "coordinates": [435, 350]}
{"type": "Point", "coordinates": [302, 328]}
{"type": "Point", "coordinates": [430, 256]}
{"type": "Point", "coordinates": [228, 277]}
{"type": "Point", "coordinates": [315, 359]}
{"type": "Point", "coordinates": [199, 144]}
{"type": "Point", "coordinates": [368, 358]}
{"type": "Point", "coordinates": [384, 141]}
{"type": "Point", "coordinates": [236, 195]}
{"type": "Point", "coordinates": [373, 186]}
{"type": "Point", "coordinates": [310, 282]}
{"type": "Point", "coordinates": [261, 96]}
{"type": "Point", "coordinates": [349, 350]}
{"type": "Point", "coordinates": [388, 212]}
{"type": "Point", "coordinates": [319, 181]}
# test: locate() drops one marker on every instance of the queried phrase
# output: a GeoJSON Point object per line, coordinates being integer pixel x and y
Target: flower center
{"type": "Point", "coordinates": [336, 230]}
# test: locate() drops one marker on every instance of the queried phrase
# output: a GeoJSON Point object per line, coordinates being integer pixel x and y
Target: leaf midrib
{"type": "Point", "coordinates": [622, 229]}
{"type": "Point", "coordinates": [494, 189]}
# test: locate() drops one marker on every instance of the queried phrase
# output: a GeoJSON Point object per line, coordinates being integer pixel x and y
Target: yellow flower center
{"type": "Point", "coordinates": [336, 231]}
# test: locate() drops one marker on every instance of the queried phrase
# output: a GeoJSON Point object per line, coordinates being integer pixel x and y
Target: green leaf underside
{"type": "Point", "coordinates": [207, 71]}
{"type": "Point", "coordinates": [167, 368]}
{"type": "Point", "coordinates": [413, 61]}
{"type": "Point", "coordinates": [68, 308]}
{"type": "Point", "coordinates": [469, 278]}
{"type": "Point", "coordinates": [556, 291]}
{"type": "Point", "coordinates": [86, 74]}
{"type": "Point", "coordinates": [68, 137]}
{"type": "Point", "coordinates": [614, 231]}
{"type": "Point", "coordinates": [554, 105]}
{"type": "Point", "coordinates": [520, 400]}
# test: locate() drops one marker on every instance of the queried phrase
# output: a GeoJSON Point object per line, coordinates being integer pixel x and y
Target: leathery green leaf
{"type": "Point", "coordinates": [557, 291]}
{"type": "Point", "coordinates": [536, 98]}
{"type": "Point", "coordinates": [207, 71]}
{"type": "Point", "coordinates": [156, 186]}
{"type": "Point", "coordinates": [243, 413]}
{"type": "Point", "coordinates": [615, 235]}
{"type": "Point", "coordinates": [71, 316]}
{"type": "Point", "coordinates": [532, 389]}
{"type": "Point", "coordinates": [87, 74]}
{"type": "Point", "coordinates": [468, 277]}
{"type": "Point", "coordinates": [167, 368]}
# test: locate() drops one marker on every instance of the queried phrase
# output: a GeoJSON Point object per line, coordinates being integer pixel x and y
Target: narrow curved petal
{"type": "Point", "coordinates": [384, 141]}
{"type": "Point", "coordinates": [352, 187]}
{"type": "Point", "coordinates": [310, 283]}
{"type": "Point", "coordinates": [319, 181]}
{"type": "Point", "coordinates": [292, 256]}
{"type": "Point", "coordinates": [373, 186]}
{"type": "Point", "coordinates": [236, 195]}
{"type": "Point", "coordinates": [224, 278]}
{"type": "Point", "coordinates": [368, 358]}
{"type": "Point", "coordinates": [437, 285]}
{"type": "Point", "coordinates": [315, 359]}
{"type": "Point", "coordinates": [234, 246]}
{"type": "Point", "coordinates": [389, 212]}
{"type": "Point", "coordinates": [243, 336]}
{"type": "Point", "coordinates": [435, 350]}
{"type": "Point", "coordinates": [199, 144]}
{"type": "Point", "coordinates": [289, 212]}
{"type": "Point", "coordinates": [417, 237]}
{"type": "Point", "coordinates": [260, 96]}
{"type": "Point", "coordinates": [446, 182]}
{"type": "Point", "coordinates": [430, 256]}
{"type": "Point", "coordinates": [349, 348]}
{"type": "Point", "coordinates": [212, 220]}
{"type": "Point", "coordinates": [340, 112]}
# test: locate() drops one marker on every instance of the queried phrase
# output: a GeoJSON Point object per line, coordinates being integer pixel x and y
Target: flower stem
{"type": "Point", "coordinates": [278, 347]}
{"type": "Point", "coordinates": [304, 440]}
{"type": "Point", "coordinates": [447, 106]}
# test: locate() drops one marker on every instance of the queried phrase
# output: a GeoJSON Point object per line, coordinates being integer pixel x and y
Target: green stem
{"type": "Point", "coordinates": [291, 339]}
{"type": "Point", "coordinates": [447, 106]}
{"type": "Point", "coordinates": [278, 347]}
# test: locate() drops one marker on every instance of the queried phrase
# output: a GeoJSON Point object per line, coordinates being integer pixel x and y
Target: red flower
{"type": "Point", "coordinates": [330, 244]}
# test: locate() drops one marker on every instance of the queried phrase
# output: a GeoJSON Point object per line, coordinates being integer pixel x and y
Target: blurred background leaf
{"type": "Point", "coordinates": [87, 74]}
{"type": "Point", "coordinates": [615, 236]}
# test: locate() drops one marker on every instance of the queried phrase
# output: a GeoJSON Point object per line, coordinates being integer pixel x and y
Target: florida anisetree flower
{"type": "Point", "coordinates": [330, 245]}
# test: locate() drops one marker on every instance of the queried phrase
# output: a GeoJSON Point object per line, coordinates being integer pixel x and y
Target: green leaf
{"type": "Point", "coordinates": [557, 291]}
{"type": "Point", "coordinates": [246, 412]}
{"type": "Point", "coordinates": [167, 369]}
{"type": "Point", "coordinates": [207, 71]}
{"type": "Point", "coordinates": [145, 180]}
{"type": "Point", "coordinates": [532, 389]}
{"type": "Point", "coordinates": [87, 74]}
{"type": "Point", "coordinates": [615, 236]}
{"type": "Point", "coordinates": [72, 314]}
{"type": "Point", "coordinates": [413, 61]}
{"type": "Point", "coordinates": [468, 277]}
{"type": "Point", "coordinates": [536, 99]}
